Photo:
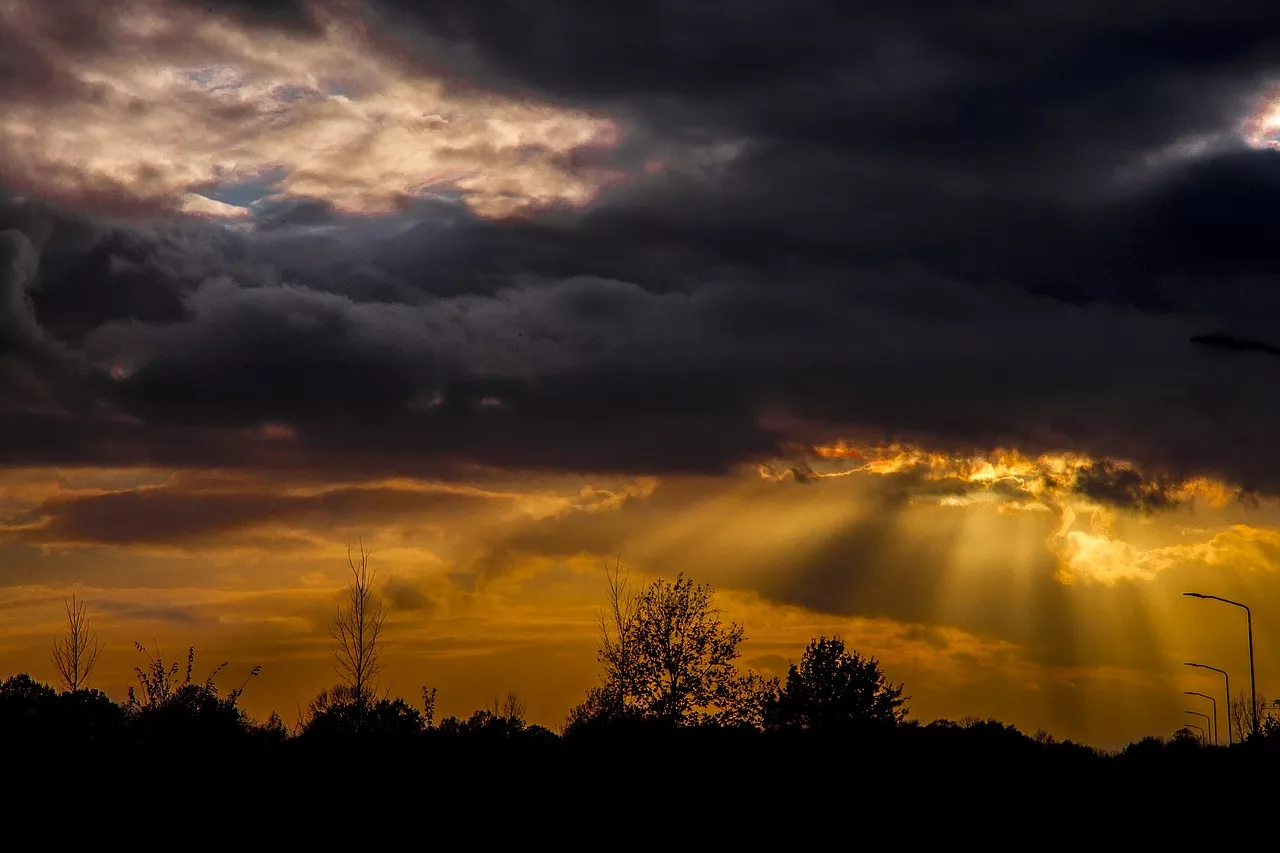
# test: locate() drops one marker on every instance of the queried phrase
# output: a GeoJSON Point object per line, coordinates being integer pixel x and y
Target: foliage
{"type": "Point", "coordinates": [1187, 736]}
{"type": "Point", "coordinates": [834, 688]}
{"type": "Point", "coordinates": [339, 711]}
{"type": "Point", "coordinates": [501, 719]}
{"type": "Point", "coordinates": [167, 705]}
{"type": "Point", "coordinates": [745, 702]}
{"type": "Point", "coordinates": [429, 707]}
{"type": "Point", "coordinates": [29, 708]}
{"type": "Point", "coordinates": [666, 653]}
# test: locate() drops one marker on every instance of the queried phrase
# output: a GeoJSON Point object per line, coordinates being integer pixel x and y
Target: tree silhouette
{"type": "Point", "coordinates": [75, 653]}
{"type": "Point", "coordinates": [833, 688]}
{"type": "Point", "coordinates": [666, 654]}
{"type": "Point", "coordinates": [340, 712]}
{"type": "Point", "coordinates": [616, 622]}
{"type": "Point", "coordinates": [746, 701]}
{"type": "Point", "coordinates": [1240, 717]}
{"type": "Point", "coordinates": [502, 718]}
{"type": "Point", "coordinates": [357, 631]}
{"type": "Point", "coordinates": [429, 707]}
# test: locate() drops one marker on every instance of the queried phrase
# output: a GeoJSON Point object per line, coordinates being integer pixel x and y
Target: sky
{"type": "Point", "coordinates": [877, 318]}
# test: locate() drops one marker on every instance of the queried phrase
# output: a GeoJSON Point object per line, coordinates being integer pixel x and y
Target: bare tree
{"type": "Point", "coordinates": [512, 708]}
{"type": "Point", "coordinates": [75, 653]}
{"type": "Point", "coordinates": [617, 622]}
{"type": "Point", "coordinates": [1240, 717]}
{"type": "Point", "coordinates": [357, 631]}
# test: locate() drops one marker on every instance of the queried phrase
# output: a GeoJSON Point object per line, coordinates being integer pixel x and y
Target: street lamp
{"type": "Point", "coordinates": [1206, 723]}
{"type": "Point", "coordinates": [1197, 728]}
{"type": "Point", "coordinates": [1227, 679]}
{"type": "Point", "coordinates": [1215, 711]}
{"type": "Point", "coordinates": [1248, 615]}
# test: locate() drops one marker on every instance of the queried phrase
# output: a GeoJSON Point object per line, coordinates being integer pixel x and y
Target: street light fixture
{"type": "Point", "coordinates": [1248, 615]}
{"type": "Point", "coordinates": [1226, 678]}
{"type": "Point", "coordinates": [1206, 723]}
{"type": "Point", "coordinates": [1197, 728]}
{"type": "Point", "coordinates": [1215, 711]}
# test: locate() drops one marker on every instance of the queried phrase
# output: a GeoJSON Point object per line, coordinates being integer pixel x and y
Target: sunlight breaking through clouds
{"type": "Point", "coordinates": [337, 116]}
{"type": "Point", "coordinates": [1087, 495]}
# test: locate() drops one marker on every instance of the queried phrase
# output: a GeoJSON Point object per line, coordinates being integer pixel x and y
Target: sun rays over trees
{"type": "Point", "coordinates": [676, 733]}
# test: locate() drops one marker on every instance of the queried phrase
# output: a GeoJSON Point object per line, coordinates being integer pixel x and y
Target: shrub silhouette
{"type": "Point", "coordinates": [168, 708]}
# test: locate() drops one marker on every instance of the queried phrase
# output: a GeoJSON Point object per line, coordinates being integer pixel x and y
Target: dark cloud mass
{"type": "Point", "coordinates": [962, 227]}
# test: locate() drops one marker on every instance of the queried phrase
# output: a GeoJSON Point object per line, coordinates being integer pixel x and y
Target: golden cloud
{"type": "Point", "coordinates": [1086, 494]}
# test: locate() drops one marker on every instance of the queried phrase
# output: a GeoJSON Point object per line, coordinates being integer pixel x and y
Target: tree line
{"type": "Point", "coordinates": [675, 742]}
{"type": "Point", "coordinates": [667, 658]}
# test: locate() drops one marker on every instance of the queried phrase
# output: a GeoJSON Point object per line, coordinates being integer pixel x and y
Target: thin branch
{"type": "Point", "coordinates": [75, 654]}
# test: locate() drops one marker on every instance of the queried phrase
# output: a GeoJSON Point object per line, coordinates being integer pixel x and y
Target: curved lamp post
{"type": "Point", "coordinates": [1253, 687]}
{"type": "Point", "coordinates": [1226, 678]}
{"type": "Point", "coordinates": [1197, 728]}
{"type": "Point", "coordinates": [1215, 711]}
{"type": "Point", "coordinates": [1205, 730]}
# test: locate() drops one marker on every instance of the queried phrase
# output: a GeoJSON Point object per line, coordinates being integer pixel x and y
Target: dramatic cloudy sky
{"type": "Point", "coordinates": [876, 316]}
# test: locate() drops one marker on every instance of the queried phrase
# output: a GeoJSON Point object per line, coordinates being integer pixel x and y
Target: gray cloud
{"type": "Point", "coordinates": [957, 228]}
{"type": "Point", "coordinates": [173, 514]}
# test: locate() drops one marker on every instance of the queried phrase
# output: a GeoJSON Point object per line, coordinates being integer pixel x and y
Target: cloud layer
{"type": "Point", "coordinates": [961, 232]}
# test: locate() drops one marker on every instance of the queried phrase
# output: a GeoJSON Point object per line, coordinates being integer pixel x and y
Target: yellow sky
{"type": "Point", "coordinates": [988, 585]}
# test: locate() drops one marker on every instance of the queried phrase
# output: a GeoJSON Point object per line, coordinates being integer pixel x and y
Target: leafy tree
{"type": "Point", "coordinates": [75, 653]}
{"type": "Point", "coordinates": [24, 701]}
{"type": "Point", "coordinates": [833, 688]}
{"type": "Point", "coordinates": [666, 653]}
{"type": "Point", "coordinates": [602, 705]}
{"type": "Point", "coordinates": [1186, 737]}
{"type": "Point", "coordinates": [34, 713]}
{"type": "Point", "coordinates": [746, 701]}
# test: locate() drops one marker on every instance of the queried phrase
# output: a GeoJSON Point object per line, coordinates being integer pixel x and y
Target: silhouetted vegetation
{"type": "Point", "coordinates": [75, 654]}
{"type": "Point", "coordinates": [833, 689]}
{"type": "Point", "coordinates": [675, 744]}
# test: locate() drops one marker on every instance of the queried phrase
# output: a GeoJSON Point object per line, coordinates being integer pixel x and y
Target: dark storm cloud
{"type": "Point", "coordinates": [955, 226]}
{"type": "Point", "coordinates": [280, 13]}
{"type": "Point", "coordinates": [1107, 483]}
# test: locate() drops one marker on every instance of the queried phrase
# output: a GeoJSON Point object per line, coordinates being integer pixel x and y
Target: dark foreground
{"type": "Point", "coordinates": [908, 787]}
